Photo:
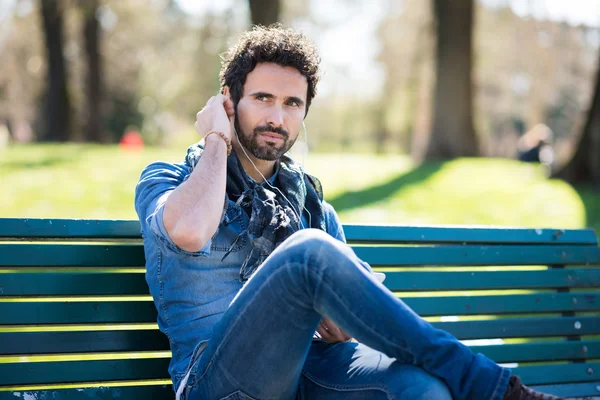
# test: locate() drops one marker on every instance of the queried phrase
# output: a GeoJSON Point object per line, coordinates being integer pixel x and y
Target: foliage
{"type": "Point", "coordinates": [161, 66]}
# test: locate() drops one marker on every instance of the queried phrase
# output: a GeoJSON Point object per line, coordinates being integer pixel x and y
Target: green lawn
{"type": "Point", "coordinates": [86, 181]}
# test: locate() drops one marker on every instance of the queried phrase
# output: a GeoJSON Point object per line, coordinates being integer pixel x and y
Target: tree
{"type": "Point", "coordinates": [585, 164]}
{"type": "Point", "coordinates": [57, 112]}
{"type": "Point", "coordinates": [264, 12]}
{"type": "Point", "coordinates": [94, 131]}
{"type": "Point", "coordinates": [452, 132]}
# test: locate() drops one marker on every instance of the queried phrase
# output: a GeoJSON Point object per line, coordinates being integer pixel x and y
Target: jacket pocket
{"type": "Point", "coordinates": [230, 237]}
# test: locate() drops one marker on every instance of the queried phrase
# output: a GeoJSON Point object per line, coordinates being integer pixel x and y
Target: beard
{"type": "Point", "coordinates": [267, 152]}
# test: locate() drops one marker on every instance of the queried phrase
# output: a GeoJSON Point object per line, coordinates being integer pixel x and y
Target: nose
{"type": "Point", "coordinates": [275, 117]}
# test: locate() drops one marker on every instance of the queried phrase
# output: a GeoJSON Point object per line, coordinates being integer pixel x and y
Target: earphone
{"type": "Point", "coordinates": [275, 188]}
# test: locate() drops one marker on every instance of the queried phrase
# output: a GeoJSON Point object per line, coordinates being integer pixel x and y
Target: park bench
{"type": "Point", "coordinates": [77, 322]}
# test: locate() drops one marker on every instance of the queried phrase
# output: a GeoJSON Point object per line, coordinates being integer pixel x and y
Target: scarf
{"type": "Point", "coordinates": [274, 214]}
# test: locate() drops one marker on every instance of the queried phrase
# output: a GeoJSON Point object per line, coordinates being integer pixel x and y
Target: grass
{"type": "Point", "coordinates": [87, 181]}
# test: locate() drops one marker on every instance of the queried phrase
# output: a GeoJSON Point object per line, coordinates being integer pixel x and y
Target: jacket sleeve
{"type": "Point", "coordinates": [157, 182]}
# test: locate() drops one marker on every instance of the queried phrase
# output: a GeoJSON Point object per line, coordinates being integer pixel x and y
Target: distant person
{"type": "Point", "coordinates": [255, 287]}
{"type": "Point", "coordinates": [536, 145]}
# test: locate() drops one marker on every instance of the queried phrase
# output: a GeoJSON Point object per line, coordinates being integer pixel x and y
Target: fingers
{"type": "Point", "coordinates": [218, 98]}
{"type": "Point", "coordinates": [217, 115]}
{"type": "Point", "coordinates": [228, 104]}
{"type": "Point", "coordinates": [330, 332]}
{"type": "Point", "coordinates": [325, 335]}
{"type": "Point", "coordinates": [225, 100]}
{"type": "Point", "coordinates": [330, 327]}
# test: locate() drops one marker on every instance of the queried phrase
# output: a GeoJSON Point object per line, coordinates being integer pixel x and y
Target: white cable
{"type": "Point", "coordinates": [303, 159]}
{"type": "Point", "coordinates": [267, 182]}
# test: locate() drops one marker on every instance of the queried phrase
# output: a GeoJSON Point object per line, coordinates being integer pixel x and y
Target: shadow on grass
{"type": "Point", "coordinates": [46, 160]}
{"type": "Point", "coordinates": [355, 199]}
{"type": "Point", "coordinates": [26, 164]}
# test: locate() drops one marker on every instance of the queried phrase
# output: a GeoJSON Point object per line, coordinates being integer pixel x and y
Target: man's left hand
{"type": "Point", "coordinates": [331, 333]}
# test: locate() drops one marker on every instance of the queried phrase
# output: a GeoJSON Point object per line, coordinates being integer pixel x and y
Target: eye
{"type": "Point", "coordinates": [262, 98]}
{"type": "Point", "coordinates": [293, 103]}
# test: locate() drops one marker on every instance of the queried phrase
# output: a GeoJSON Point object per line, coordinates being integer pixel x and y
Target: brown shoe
{"type": "Point", "coordinates": [517, 391]}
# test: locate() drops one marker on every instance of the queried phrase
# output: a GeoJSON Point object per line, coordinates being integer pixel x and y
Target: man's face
{"type": "Point", "coordinates": [271, 109]}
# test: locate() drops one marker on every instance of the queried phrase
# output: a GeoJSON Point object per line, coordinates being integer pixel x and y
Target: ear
{"type": "Point", "coordinates": [226, 90]}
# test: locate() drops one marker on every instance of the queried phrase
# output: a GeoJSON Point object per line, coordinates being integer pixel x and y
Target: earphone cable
{"type": "Point", "coordinates": [268, 183]}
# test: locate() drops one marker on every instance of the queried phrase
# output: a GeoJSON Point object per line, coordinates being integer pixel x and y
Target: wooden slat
{"type": "Point", "coordinates": [15, 343]}
{"type": "Point", "coordinates": [461, 234]}
{"type": "Point", "coordinates": [70, 284]}
{"type": "Point", "coordinates": [130, 229]}
{"type": "Point", "coordinates": [164, 392]}
{"type": "Point", "coordinates": [133, 255]}
{"type": "Point", "coordinates": [30, 373]}
{"type": "Point", "coordinates": [34, 228]}
{"type": "Point", "coordinates": [479, 255]}
{"type": "Point", "coordinates": [71, 255]}
{"type": "Point", "coordinates": [409, 281]}
{"type": "Point", "coordinates": [154, 392]}
{"type": "Point", "coordinates": [506, 353]}
{"type": "Point", "coordinates": [543, 351]}
{"type": "Point", "coordinates": [98, 341]}
{"type": "Point", "coordinates": [522, 327]}
{"type": "Point", "coordinates": [560, 373]}
{"type": "Point", "coordinates": [570, 390]}
{"type": "Point", "coordinates": [511, 304]}
{"type": "Point", "coordinates": [83, 283]}
{"type": "Point", "coordinates": [66, 312]}
{"type": "Point", "coordinates": [91, 312]}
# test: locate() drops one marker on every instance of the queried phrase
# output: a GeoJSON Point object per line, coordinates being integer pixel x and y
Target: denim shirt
{"type": "Point", "coordinates": [192, 290]}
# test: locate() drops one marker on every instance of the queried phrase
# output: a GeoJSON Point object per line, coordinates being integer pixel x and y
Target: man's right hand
{"type": "Point", "coordinates": [193, 210]}
{"type": "Point", "coordinates": [217, 115]}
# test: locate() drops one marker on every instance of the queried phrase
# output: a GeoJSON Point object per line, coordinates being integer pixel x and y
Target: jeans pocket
{"type": "Point", "coordinates": [239, 395]}
{"type": "Point", "coordinates": [192, 369]}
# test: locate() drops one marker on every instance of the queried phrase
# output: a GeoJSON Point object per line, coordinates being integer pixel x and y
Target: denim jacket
{"type": "Point", "coordinates": [192, 290]}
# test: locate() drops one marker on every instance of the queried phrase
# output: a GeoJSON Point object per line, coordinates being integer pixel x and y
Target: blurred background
{"type": "Point", "coordinates": [428, 111]}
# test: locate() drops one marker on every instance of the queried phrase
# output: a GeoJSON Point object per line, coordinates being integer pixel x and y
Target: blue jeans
{"type": "Point", "coordinates": [263, 346]}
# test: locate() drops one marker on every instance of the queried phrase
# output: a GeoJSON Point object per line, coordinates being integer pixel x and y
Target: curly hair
{"type": "Point", "coordinates": [275, 44]}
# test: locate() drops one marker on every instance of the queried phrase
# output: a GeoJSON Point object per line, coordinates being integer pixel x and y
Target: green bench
{"type": "Point", "coordinates": [77, 322]}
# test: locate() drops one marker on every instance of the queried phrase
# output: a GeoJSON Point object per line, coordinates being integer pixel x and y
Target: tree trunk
{"type": "Point", "coordinates": [94, 127]}
{"type": "Point", "coordinates": [584, 167]}
{"type": "Point", "coordinates": [57, 113]}
{"type": "Point", "coordinates": [452, 133]}
{"type": "Point", "coordinates": [264, 12]}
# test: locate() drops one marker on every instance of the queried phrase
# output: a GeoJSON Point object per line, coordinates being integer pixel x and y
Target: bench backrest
{"type": "Point", "coordinates": [75, 312]}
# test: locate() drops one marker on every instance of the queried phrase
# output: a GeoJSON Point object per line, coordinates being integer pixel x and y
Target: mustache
{"type": "Point", "coordinates": [272, 129]}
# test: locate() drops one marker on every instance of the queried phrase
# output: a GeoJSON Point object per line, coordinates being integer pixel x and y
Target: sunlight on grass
{"type": "Point", "coordinates": [91, 181]}
{"type": "Point", "coordinates": [479, 191]}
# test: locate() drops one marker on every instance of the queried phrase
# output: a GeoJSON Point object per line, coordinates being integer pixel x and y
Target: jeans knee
{"type": "Point", "coordinates": [311, 243]}
{"type": "Point", "coordinates": [411, 382]}
{"type": "Point", "coordinates": [316, 250]}
{"type": "Point", "coordinates": [436, 389]}
{"type": "Point", "coordinates": [309, 236]}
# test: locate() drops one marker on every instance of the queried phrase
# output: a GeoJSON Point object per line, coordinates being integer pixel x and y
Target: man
{"type": "Point", "coordinates": [245, 261]}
